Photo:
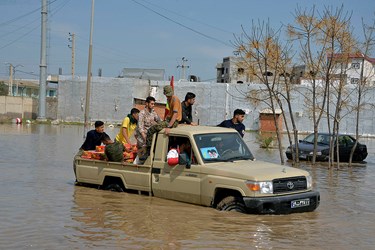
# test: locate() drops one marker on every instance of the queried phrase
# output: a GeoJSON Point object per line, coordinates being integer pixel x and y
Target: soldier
{"type": "Point", "coordinates": [173, 118]}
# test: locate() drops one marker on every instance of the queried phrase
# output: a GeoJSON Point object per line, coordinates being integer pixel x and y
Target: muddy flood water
{"type": "Point", "coordinates": [41, 208]}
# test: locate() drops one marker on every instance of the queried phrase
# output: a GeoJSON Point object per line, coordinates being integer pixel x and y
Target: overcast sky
{"type": "Point", "coordinates": [141, 33]}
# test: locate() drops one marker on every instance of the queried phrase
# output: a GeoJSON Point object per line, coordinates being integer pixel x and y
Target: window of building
{"type": "Point", "coordinates": [51, 93]}
{"type": "Point", "coordinates": [354, 81]}
{"type": "Point", "coordinates": [356, 65]}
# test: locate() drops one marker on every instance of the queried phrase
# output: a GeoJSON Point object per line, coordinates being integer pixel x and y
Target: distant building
{"type": "Point", "coordinates": [233, 70]}
{"type": "Point", "coordinates": [350, 66]}
{"type": "Point", "coordinates": [30, 87]}
{"type": "Point", "coordinates": [229, 71]}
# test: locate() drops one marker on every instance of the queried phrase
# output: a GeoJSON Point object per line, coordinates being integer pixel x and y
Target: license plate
{"type": "Point", "coordinates": [300, 203]}
{"type": "Point", "coordinates": [302, 156]}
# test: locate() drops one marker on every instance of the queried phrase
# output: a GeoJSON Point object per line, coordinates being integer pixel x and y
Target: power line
{"type": "Point", "coordinates": [24, 15]}
{"type": "Point", "coordinates": [28, 73]}
{"type": "Point", "coordinates": [30, 31]}
{"type": "Point", "coordinates": [12, 42]}
{"type": "Point", "coordinates": [24, 26]}
{"type": "Point", "coordinates": [182, 25]}
{"type": "Point", "coordinates": [19, 17]}
{"type": "Point", "coordinates": [189, 18]}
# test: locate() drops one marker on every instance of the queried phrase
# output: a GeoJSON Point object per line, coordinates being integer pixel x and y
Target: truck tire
{"type": "Point", "coordinates": [114, 187]}
{"type": "Point", "coordinates": [232, 203]}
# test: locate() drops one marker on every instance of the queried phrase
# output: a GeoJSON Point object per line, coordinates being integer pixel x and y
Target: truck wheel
{"type": "Point", "coordinates": [114, 187]}
{"type": "Point", "coordinates": [232, 203]}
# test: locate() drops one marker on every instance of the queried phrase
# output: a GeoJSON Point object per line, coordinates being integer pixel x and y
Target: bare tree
{"type": "Point", "coordinates": [321, 36]}
{"type": "Point", "coordinates": [366, 47]}
{"type": "Point", "coordinates": [307, 34]}
{"type": "Point", "coordinates": [337, 30]}
{"type": "Point", "coordinates": [264, 58]}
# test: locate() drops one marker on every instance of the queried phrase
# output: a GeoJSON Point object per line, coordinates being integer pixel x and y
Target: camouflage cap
{"type": "Point", "coordinates": [168, 90]}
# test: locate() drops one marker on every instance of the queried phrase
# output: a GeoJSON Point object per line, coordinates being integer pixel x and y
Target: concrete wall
{"type": "Point", "coordinates": [25, 107]}
{"type": "Point", "coordinates": [18, 107]}
{"type": "Point", "coordinates": [113, 98]}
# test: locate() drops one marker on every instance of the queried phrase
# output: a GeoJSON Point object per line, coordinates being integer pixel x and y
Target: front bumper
{"type": "Point", "coordinates": [305, 157]}
{"type": "Point", "coordinates": [282, 204]}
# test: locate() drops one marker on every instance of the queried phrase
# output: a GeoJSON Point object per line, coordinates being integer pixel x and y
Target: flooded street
{"type": "Point", "coordinates": [41, 208]}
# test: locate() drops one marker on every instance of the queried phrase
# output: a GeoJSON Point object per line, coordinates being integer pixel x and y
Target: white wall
{"type": "Point", "coordinates": [214, 102]}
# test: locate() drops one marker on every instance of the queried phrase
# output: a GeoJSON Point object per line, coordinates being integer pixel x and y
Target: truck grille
{"type": "Point", "coordinates": [289, 184]}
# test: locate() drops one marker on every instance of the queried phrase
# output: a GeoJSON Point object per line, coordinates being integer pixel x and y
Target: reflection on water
{"type": "Point", "coordinates": [41, 207]}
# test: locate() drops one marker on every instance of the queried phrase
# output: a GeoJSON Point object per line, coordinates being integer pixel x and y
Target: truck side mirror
{"type": "Point", "coordinates": [182, 160]}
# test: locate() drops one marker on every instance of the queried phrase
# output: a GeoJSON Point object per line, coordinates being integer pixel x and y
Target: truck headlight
{"type": "Point", "coordinates": [309, 181]}
{"type": "Point", "coordinates": [262, 187]}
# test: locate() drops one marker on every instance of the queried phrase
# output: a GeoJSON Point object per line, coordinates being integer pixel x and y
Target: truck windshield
{"type": "Point", "coordinates": [222, 147]}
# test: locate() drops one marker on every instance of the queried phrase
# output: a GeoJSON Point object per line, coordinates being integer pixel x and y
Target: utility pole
{"type": "Point", "coordinates": [12, 73]}
{"type": "Point", "coordinates": [88, 83]}
{"type": "Point", "coordinates": [72, 46]}
{"type": "Point", "coordinates": [183, 67]}
{"type": "Point", "coordinates": [11, 70]}
{"type": "Point", "coordinates": [43, 64]}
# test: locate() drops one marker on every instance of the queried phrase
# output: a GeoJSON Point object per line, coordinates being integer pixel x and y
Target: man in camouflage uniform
{"type": "Point", "coordinates": [171, 121]}
{"type": "Point", "coordinates": [147, 118]}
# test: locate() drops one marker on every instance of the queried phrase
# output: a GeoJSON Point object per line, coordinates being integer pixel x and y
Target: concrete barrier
{"type": "Point", "coordinates": [12, 107]}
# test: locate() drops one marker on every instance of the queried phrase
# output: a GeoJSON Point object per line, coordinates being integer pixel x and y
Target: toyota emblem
{"type": "Point", "coordinates": [290, 185]}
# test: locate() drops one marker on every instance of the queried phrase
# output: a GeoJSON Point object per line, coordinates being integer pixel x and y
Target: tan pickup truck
{"type": "Point", "coordinates": [217, 169]}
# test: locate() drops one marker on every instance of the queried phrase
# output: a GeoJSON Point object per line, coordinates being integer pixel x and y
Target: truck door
{"type": "Point", "coordinates": [176, 182]}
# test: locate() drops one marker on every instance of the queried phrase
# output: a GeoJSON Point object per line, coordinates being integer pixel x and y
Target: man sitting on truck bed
{"type": "Point", "coordinates": [128, 126]}
{"type": "Point", "coordinates": [96, 137]}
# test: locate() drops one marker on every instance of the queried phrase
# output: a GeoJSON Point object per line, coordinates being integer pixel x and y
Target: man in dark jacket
{"type": "Point", "coordinates": [96, 137]}
{"type": "Point", "coordinates": [235, 122]}
{"type": "Point", "coordinates": [186, 105]}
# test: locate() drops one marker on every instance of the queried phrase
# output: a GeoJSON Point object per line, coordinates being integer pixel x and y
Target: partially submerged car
{"type": "Point", "coordinates": [346, 143]}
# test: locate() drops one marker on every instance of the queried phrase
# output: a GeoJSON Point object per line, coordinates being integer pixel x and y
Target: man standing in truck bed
{"type": "Point", "coordinates": [171, 121]}
{"type": "Point", "coordinates": [147, 118]}
{"type": "Point", "coordinates": [186, 105]}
